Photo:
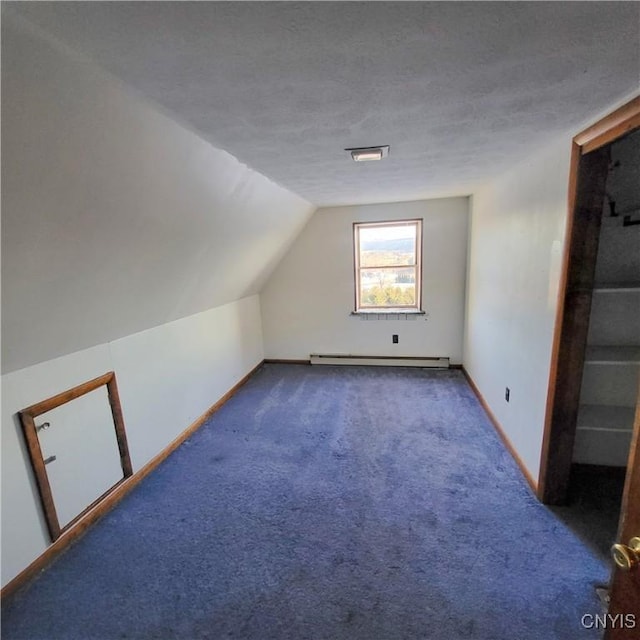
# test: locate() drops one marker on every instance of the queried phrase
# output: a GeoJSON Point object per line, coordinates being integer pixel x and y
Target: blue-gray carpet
{"type": "Point", "coordinates": [325, 503]}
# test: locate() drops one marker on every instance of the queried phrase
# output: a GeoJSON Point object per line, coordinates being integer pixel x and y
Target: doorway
{"type": "Point", "coordinates": [593, 386]}
{"type": "Point", "coordinates": [612, 358]}
{"type": "Point", "coordinates": [590, 168]}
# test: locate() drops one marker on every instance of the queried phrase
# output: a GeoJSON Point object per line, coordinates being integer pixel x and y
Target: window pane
{"type": "Point", "coordinates": [388, 287]}
{"type": "Point", "coordinates": [388, 245]}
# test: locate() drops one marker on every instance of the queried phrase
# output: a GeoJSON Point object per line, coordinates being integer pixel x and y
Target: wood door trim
{"type": "Point", "coordinates": [113, 497]}
{"type": "Point", "coordinates": [572, 323]}
{"type": "Point", "coordinates": [27, 419]}
{"type": "Point", "coordinates": [610, 128]}
{"type": "Point", "coordinates": [631, 492]}
{"type": "Point", "coordinates": [559, 433]}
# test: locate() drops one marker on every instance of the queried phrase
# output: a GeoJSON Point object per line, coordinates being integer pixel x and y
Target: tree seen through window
{"type": "Point", "coordinates": [387, 257]}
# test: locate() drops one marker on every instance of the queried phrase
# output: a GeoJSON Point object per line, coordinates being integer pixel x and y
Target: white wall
{"type": "Point", "coordinates": [128, 244]}
{"type": "Point", "coordinates": [307, 301]}
{"type": "Point", "coordinates": [115, 217]}
{"type": "Point", "coordinates": [515, 246]}
{"type": "Point", "coordinates": [516, 240]}
{"type": "Point", "coordinates": [167, 377]}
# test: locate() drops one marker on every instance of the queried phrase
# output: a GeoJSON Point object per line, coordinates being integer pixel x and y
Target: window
{"type": "Point", "coordinates": [388, 265]}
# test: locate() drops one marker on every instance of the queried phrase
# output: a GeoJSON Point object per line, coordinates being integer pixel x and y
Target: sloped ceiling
{"type": "Point", "coordinates": [458, 89]}
{"type": "Point", "coordinates": [115, 219]}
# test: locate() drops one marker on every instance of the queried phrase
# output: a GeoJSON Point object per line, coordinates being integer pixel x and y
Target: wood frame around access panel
{"type": "Point", "coordinates": [74, 533]}
{"type": "Point", "coordinates": [27, 419]}
{"type": "Point", "coordinates": [587, 175]}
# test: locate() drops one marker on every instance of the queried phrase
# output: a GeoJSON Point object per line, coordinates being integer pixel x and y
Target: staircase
{"type": "Point", "coordinates": [612, 360]}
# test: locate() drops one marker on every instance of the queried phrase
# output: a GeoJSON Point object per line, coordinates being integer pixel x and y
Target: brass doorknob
{"type": "Point", "coordinates": [627, 557]}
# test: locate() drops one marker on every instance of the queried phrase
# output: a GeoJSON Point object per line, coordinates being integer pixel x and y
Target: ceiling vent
{"type": "Point", "coordinates": [367, 154]}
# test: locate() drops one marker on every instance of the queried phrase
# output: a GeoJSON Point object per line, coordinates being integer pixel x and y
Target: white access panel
{"type": "Point", "coordinates": [82, 438]}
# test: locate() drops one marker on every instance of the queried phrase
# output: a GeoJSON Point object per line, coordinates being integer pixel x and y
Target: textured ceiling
{"type": "Point", "coordinates": [459, 90]}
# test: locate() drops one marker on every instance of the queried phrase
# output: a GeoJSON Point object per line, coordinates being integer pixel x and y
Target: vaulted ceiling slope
{"type": "Point", "coordinates": [115, 219]}
{"type": "Point", "coordinates": [458, 89]}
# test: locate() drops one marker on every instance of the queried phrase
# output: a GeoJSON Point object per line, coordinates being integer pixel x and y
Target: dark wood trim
{"type": "Point", "coordinates": [570, 342]}
{"type": "Point", "coordinates": [27, 418]}
{"type": "Point", "coordinates": [285, 361]}
{"type": "Point", "coordinates": [113, 497]}
{"type": "Point", "coordinates": [118, 421]}
{"type": "Point", "coordinates": [68, 395]}
{"type": "Point", "coordinates": [40, 473]}
{"type": "Point", "coordinates": [418, 262]}
{"type": "Point", "coordinates": [629, 525]}
{"type": "Point", "coordinates": [616, 125]}
{"type": "Point", "coordinates": [545, 467]}
{"type": "Point", "coordinates": [500, 431]}
{"type": "Point", "coordinates": [587, 177]}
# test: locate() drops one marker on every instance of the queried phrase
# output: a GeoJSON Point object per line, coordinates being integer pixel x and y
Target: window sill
{"type": "Point", "coordinates": [386, 312]}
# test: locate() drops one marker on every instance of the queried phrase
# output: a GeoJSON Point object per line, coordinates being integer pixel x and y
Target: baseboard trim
{"type": "Point", "coordinates": [73, 534]}
{"type": "Point", "coordinates": [500, 431]}
{"type": "Point", "coordinates": [293, 361]}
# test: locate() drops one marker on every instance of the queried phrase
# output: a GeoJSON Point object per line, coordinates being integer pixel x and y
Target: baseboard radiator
{"type": "Point", "coordinates": [380, 361]}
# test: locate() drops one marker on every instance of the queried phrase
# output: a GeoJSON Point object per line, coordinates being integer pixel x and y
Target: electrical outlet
{"type": "Point", "coordinates": [394, 338]}
{"type": "Point", "coordinates": [507, 393]}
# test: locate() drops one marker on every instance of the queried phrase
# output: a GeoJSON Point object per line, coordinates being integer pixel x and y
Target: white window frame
{"type": "Point", "coordinates": [414, 308]}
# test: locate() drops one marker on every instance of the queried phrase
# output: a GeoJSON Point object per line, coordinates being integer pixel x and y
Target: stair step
{"type": "Point", "coordinates": [610, 384]}
{"type": "Point", "coordinates": [616, 287]}
{"type": "Point", "coordinates": [597, 446]}
{"type": "Point", "coordinates": [612, 355]}
{"type": "Point", "coordinates": [615, 317]}
{"type": "Point", "coordinates": [607, 418]}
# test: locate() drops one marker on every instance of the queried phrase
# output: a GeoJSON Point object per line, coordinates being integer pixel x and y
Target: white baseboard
{"type": "Point", "coordinates": [380, 361]}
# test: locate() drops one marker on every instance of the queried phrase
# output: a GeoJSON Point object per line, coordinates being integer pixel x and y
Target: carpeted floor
{"type": "Point", "coordinates": [593, 509]}
{"type": "Point", "coordinates": [337, 503]}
